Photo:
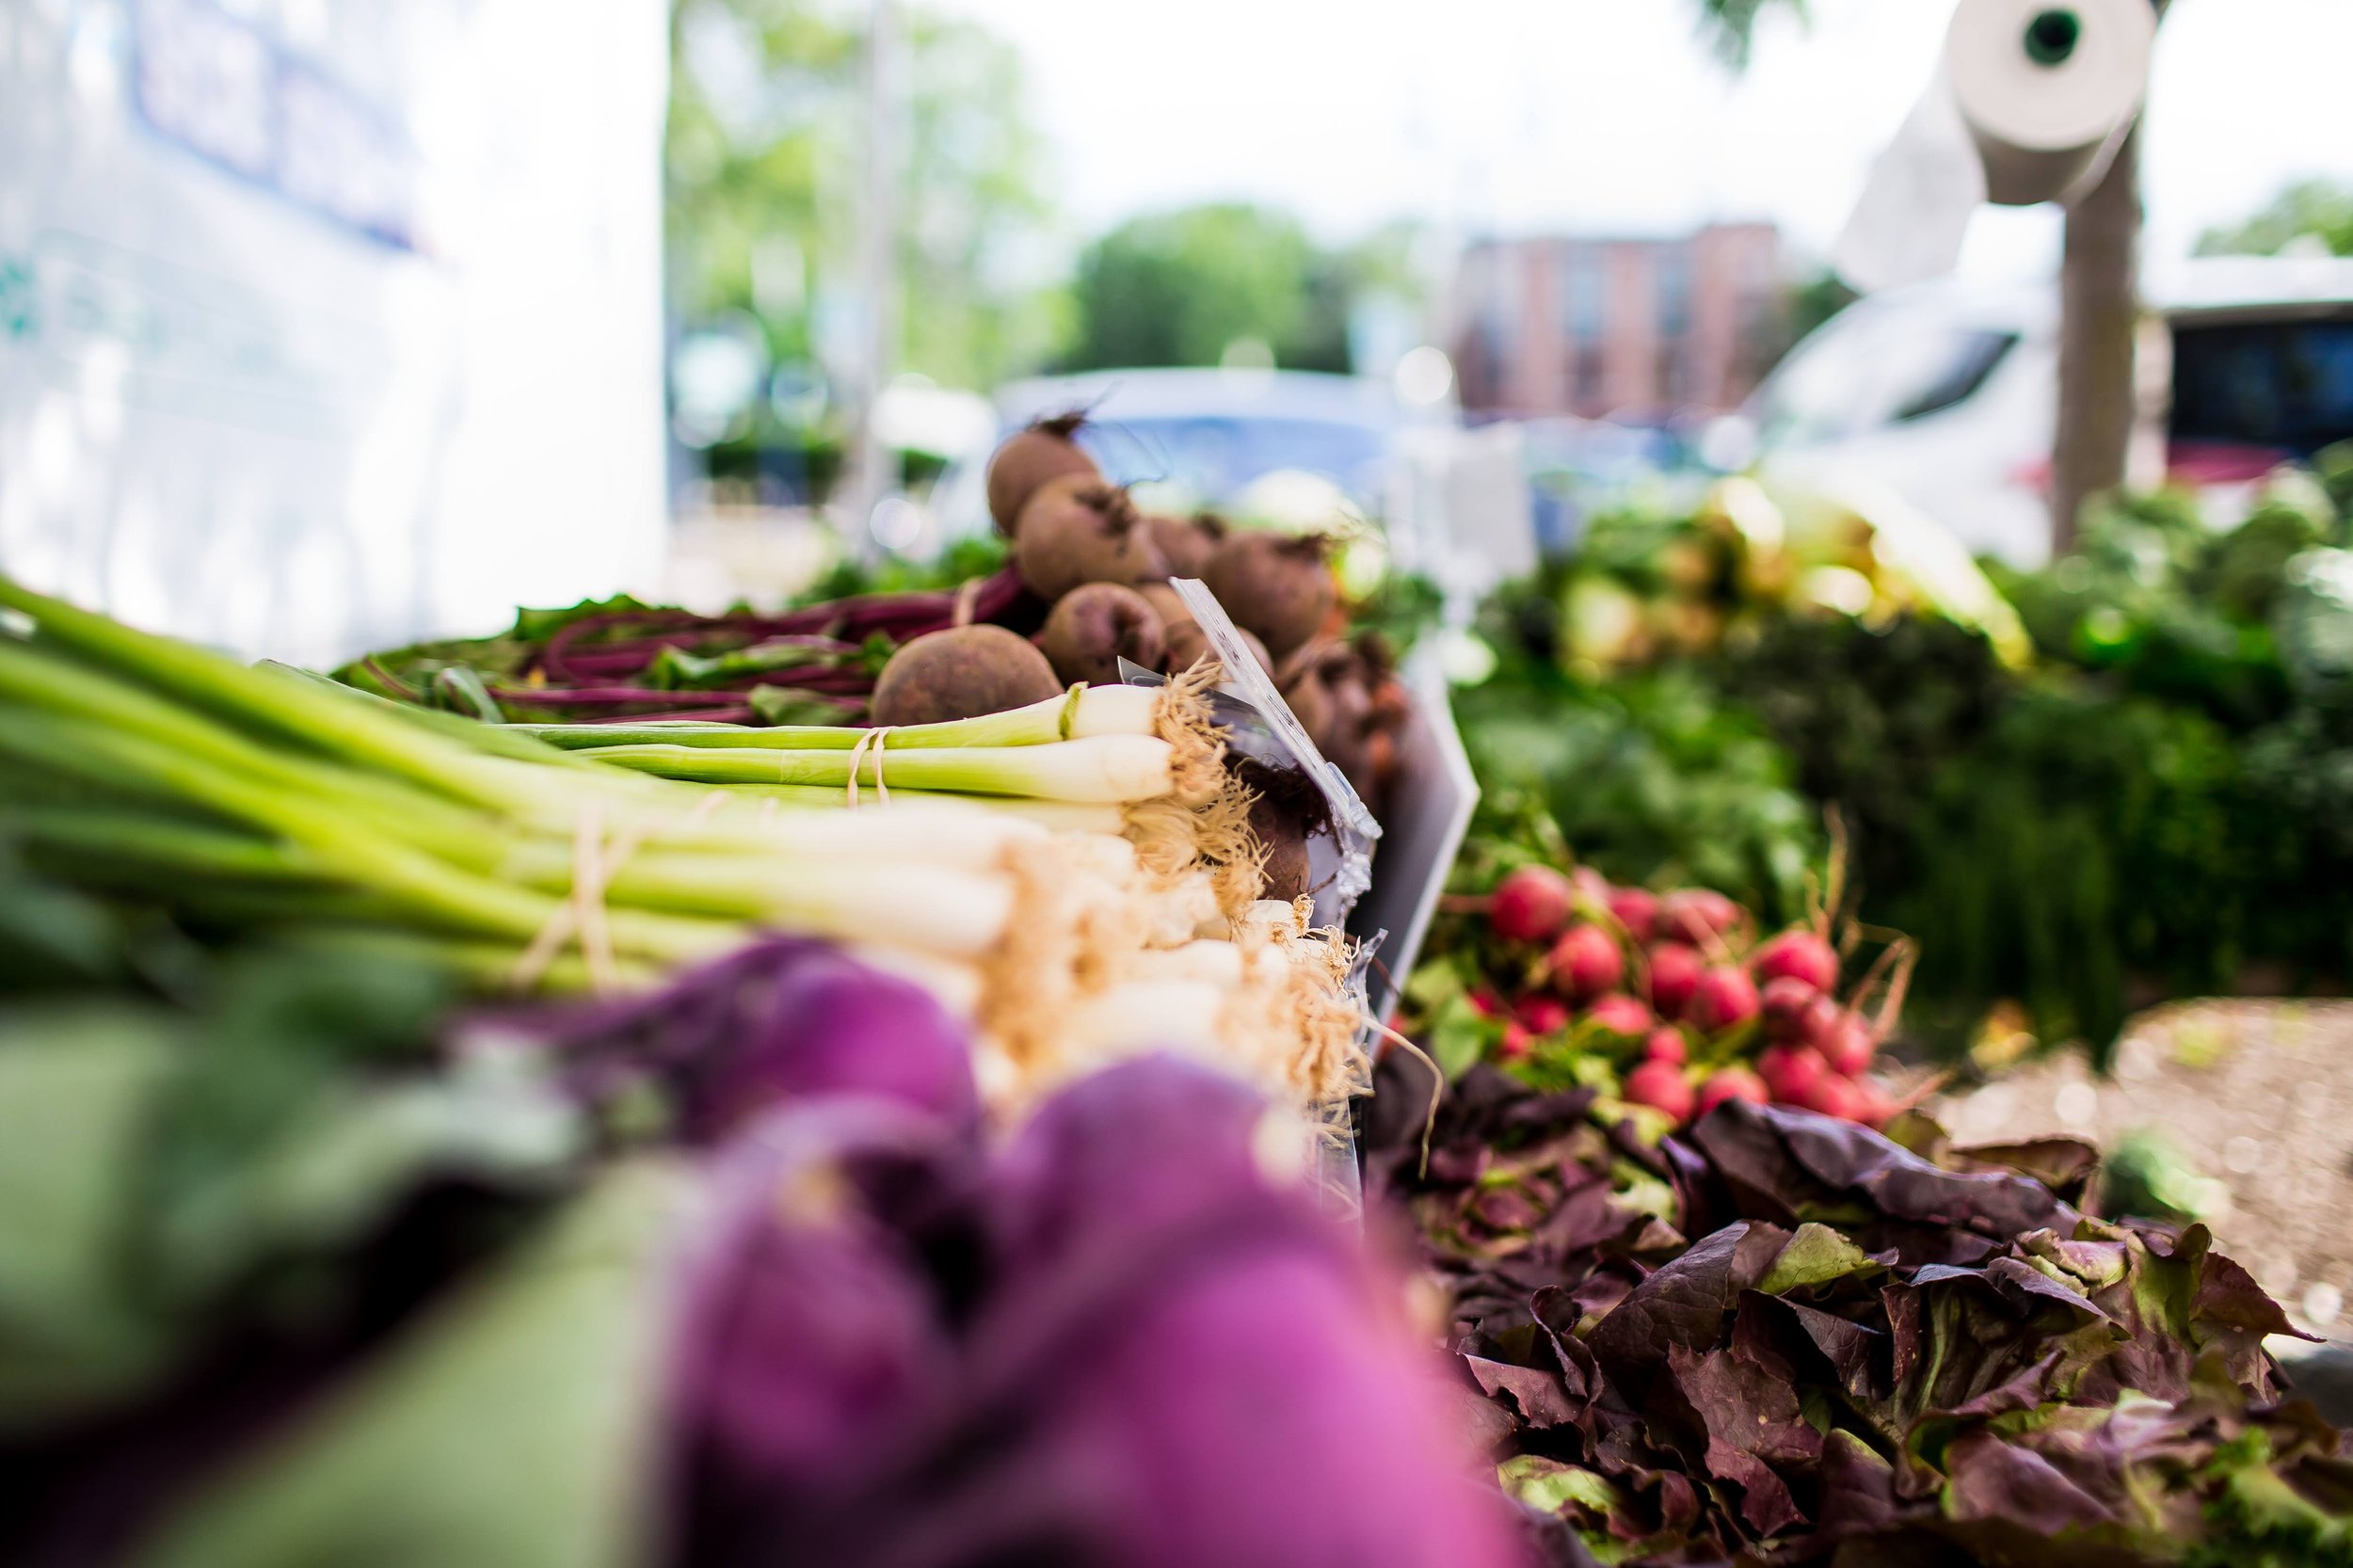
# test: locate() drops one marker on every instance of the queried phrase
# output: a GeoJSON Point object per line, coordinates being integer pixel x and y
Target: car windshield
{"type": "Point", "coordinates": [1873, 370]}
{"type": "Point", "coordinates": [2281, 385]}
{"type": "Point", "coordinates": [1214, 458]}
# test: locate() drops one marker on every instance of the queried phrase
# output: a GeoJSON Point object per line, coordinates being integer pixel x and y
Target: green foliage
{"type": "Point", "coordinates": [763, 161]}
{"type": "Point", "coordinates": [1729, 25]}
{"type": "Point", "coordinates": [2309, 209]}
{"type": "Point", "coordinates": [1177, 288]}
{"type": "Point", "coordinates": [2162, 805]}
{"type": "Point", "coordinates": [1653, 776]}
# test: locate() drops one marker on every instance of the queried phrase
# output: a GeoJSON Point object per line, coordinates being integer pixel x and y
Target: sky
{"type": "Point", "coordinates": [1606, 116]}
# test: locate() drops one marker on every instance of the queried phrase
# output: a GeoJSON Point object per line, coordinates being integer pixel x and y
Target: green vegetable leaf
{"type": "Point", "coordinates": [508, 1429]}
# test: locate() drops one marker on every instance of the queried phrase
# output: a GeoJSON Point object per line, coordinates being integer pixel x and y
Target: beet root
{"type": "Point", "coordinates": [1186, 544]}
{"type": "Point", "coordinates": [1028, 459]}
{"type": "Point", "coordinates": [1095, 626]}
{"type": "Point", "coordinates": [959, 673]}
{"type": "Point", "coordinates": [1286, 869]}
{"type": "Point", "coordinates": [1080, 530]}
{"type": "Point", "coordinates": [1277, 586]}
{"type": "Point", "coordinates": [1187, 644]}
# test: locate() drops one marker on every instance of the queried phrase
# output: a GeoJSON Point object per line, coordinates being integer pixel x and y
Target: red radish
{"type": "Point", "coordinates": [1799, 955]}
{"type": "Point", "coordinates": [1585, 963]}
{"type": "Point", "coordinates": [1592, 887]}
{"type": "Point", "coordinates": [1486, 1003]}
{"type": "Point", "coordinates": [1821, 1026]}
{"type": "Point", "coordinates": [1732, 1083]}
{"type": "Point", "coordinates": [1792, 1073]}
{"type": "Point", "coordinates": [1662, 1086]}
{"type": "Point", "coordinates": [1666, 1045]}
{"type": "Point", "coordinates": [1619, 1014]}
{"type": "Point", "coordinates": [1695, 914]}
{"type": "Point", "coordinates": [1874, 1106]}
{"type": "Point", "coordinates": [1724, 999]}
{"type": "Point", "coordinates": [1532, 905]}
{"type": "Point", "coordinates": [1837, 1097]}
{"type": "Point", "coordinates": [1635, 908]}
{"type": "Point", "coordinates": [1675, 974]}
{"type": "Point", "coordinates": [1852, 1047]}
{"type": "Point", "coordinates": [1784, 1003]}
{"type": "Point", "coordinates": [1544, 1015]}
{"type": "Point", "coordinates": [1517, 1042]}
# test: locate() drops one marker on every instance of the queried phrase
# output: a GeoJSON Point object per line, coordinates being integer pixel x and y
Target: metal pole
{"type": "Point", "coordinates": [878, 230]}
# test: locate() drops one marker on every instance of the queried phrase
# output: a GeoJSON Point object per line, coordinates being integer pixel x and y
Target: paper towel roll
{"type": "Point", "coordinates": [2048, 88]}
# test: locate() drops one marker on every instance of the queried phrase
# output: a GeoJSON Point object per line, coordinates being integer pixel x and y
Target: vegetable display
{"type": "Point", "coordinates": [1079, 585]}
{"type": "Point", "coordinates": [299, 1271]}
{"type": "Point", "coordinates": [260, 796]}
{"type": "Point", "coordinates": [1782, 1339]}
{"type": "Point", "coordinates": [2124, 789]}
{"type": "Point", "coordinates": [1671, 1000]}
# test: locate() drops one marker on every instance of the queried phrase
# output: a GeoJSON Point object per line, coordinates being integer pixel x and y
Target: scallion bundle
{"type": "Point", "coordinates": [258, 796]}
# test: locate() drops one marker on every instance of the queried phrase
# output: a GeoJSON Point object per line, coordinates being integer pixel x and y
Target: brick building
{"type": "Point", "coordinates": [1630, 327]}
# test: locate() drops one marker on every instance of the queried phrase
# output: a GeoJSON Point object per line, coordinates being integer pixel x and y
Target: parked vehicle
{"type": "Point", "coordinates": [1949, 393]}
{"type": "Point", "coordinates": [1265, 441]}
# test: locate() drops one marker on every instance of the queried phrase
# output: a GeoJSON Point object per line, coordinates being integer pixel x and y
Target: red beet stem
{"type": "Point", "coordinates": [559, 697]}
{"type": "Point", "coordinates": [738, 715]}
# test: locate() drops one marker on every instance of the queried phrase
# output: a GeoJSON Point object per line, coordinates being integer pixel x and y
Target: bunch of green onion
{"type": "Point", "coordinates": [248, 795]}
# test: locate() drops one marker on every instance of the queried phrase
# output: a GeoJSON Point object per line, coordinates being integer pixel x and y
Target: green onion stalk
{"type": "Point", "coordinates": [255, 795]}
{"type": "Point", "coordinates": [1142, 762]}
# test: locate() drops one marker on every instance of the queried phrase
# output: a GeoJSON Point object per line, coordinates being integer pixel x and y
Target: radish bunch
{"type": "Point", "coordinates": [1678, 994]}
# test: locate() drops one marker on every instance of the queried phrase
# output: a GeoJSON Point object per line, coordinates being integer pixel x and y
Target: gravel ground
{"type": "Point", "coordinates": [2256, 1095]}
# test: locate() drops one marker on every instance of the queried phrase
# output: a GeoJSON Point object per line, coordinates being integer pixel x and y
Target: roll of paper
{"type": "Point", "coordinates": [2048, 88]}
{"type": "Point", "coordinates": [2030, 101]}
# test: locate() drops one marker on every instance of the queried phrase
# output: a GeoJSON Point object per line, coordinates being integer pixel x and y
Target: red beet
{"type": "Point", "coordinates": [1784, 1003]}
{"type": "Point", "coordinates": [1619, 1014]}
{"type": "Point", "coordinates": [1544, 1014]}
{"type": "Point", "coordinates": [1852, 1047]}
{"type": "Point", "coordinates": [1666, 1045]}
{"type": "Point", "coordinates": [1799, 955]}
{"type": "Point", "coordinates": [1675, 974]}
{"type": "Point", "coordinates": [1732, 1083]}
{"type": "Point", "coordinates": [1636, 909]}
{"type": "Point", "coordinates": [1661, 1085]}
{"type": "Point", "coordinates": [1695, 914]}
{"type": "Point", "coordinates": [1517, 1042]}
{"type": "Point", "coordinates": [1532, 905]}
{"type": "Point", "coordinates": [1028, 459]}
{"type": "Point", "coordinates": [1791, 1072]}
{"type": "Point", "coordinates": [1275, 585]}
{"type": "Point", "coordinates": [1077, 529]}
{"type": "Point", "coordinates": [1585, 963]}
{"type": "Point", "coordinates": [1725, 997]}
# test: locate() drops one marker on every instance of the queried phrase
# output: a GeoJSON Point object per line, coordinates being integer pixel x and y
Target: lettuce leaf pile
{"type": "Point", "coordinates": [1866, 1355]}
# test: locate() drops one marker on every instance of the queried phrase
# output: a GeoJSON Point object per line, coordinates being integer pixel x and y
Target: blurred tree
{"type": "Point", "coordinates": [1177, 288]}
{"type": "Point", "coordinates": [2318, 210]}
{"type": "Point", "coordinates": [765, 126]}
{"type": "Point", "coordinates": [1729, 25]}
{"type": "Point", "coordinates": [1815, 300]}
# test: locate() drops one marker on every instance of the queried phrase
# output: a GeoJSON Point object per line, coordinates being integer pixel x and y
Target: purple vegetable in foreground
{"type": "Point", "coordinates": [780, 1020]}
{"type": "Point", "coordinates": [1141, 1350]}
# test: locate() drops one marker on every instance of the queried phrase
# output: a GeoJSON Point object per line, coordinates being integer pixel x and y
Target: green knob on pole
{"type": "Point", "coordinates": [2052, 36]}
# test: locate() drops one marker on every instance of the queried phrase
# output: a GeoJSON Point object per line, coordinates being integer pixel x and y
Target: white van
{"type": "Point", "coordinates": [1947, 392]}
